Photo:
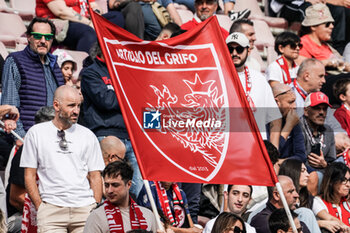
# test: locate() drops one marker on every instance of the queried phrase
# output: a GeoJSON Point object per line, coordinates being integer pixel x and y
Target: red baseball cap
{"type": "Point", "coordinates": [316, 98]}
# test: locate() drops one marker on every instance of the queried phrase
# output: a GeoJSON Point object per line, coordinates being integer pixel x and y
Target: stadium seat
{"type": "Point", "coordinates": [185, 15]}
{"type": "Point", "coordinates": [4, 7]}
{"type": "Point", "coordinates": [224, 21]}
{"type": "Point", "coordinates": [3, 50]}
{"type": "Point", "coordinates": [271, 55]}
{"type": "Point", "coordinates": [256, 55]}
{"type": "Point", "coordinates": [264, 37]}
{"type": "Point", "coordinates": [256, 13]}
{"type": "Point", "coordinates": [12, 30]}
{"type": "Point", "coordinates": [25, 9]}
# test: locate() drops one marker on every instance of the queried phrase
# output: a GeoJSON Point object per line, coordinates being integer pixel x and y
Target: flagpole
{"type": "Point", "coordinates": [286, 207]}
{"type": "Point", "coordinates": [153, 205]}
{"type": "Point", "coordinates": [13, 132]}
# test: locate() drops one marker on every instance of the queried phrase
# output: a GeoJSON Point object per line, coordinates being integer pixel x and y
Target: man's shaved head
{"type": "Point", "coordinates": [280, 88]}
{"type": "Point", "coordinates": [112, 149]}
{"type": "Point", "coordinates": [62, 91]}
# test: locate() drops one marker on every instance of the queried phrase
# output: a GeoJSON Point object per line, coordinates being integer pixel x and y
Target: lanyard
{"type": "Point", "coordinates": [298, 89]}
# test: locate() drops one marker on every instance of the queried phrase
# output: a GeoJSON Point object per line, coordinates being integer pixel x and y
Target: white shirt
{"type": "Point", "coordinates": [261, 94]}
{"type": "Point", "coordinates": [63, 174]}
{"type": "Point", "coordinates": [274, 72]}
{"type": "Point", "coordinates": [210, 224]}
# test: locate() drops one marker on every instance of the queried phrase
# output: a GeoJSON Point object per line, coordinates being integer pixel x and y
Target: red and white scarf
{"type": "Point", "coordinates": [341, 212]}
{"type": "Point", "coordinates": [248, 88]}
{"type": "Point", "coordinates": [84, 8]}
{"type": "Point", "coordinates": [29, 224]}
{"type": "Point", "coordinates": [296, 85]}
{"type": "Point", "coordinates": [164, 203]}
{"type": "Point", "coordinates": [282, 62]}
{"type": "Point", "coordinates": [115, 220]}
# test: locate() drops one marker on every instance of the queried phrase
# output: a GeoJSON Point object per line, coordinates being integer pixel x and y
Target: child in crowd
{"type": "Point", "coordinates": [342, 93]}
{"type": "Point", "coordinates": [284, 69]}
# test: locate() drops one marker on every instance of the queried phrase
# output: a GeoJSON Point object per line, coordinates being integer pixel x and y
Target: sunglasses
{"type": "Point", "coordinates": [239, 49]}
{"type": "Point", "coordinates": [294, 46]}
{"type": "Point", "coordinates": [236, 229]}
{"type": "Point", "coordinates": [116, 156]}
{"type": "Point", "coordinates": [283, 93]}
{"type": "Point", "coordinates": [328, 24]}
{"type": "Point", "coordinates": [63, 142]}
{"type": "Point", "coordinates": [38, 36]}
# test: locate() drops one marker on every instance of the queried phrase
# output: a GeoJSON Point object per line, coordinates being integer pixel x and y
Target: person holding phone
{"type": "Point", "coordinates": [319, 137]}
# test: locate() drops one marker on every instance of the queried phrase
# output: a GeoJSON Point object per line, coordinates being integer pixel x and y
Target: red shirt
{"type": "Point", "coordinates": [343, 116]}
{"type": "Point", "coordinates": [312, 50]}
{"type": "Point", "coordinates": [42, 11]}
{"type": "Point", "coordinates": [193, 23]}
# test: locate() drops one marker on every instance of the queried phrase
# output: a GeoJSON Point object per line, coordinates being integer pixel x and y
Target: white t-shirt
{"type": "Point", "coordinates": [318, 205]}
{"type": "Point", "coordinates": [261, 94]}
{"type": "Point", "coordinates": [210, 224]}
{"type": "Point", "coordinates": [274, 72]}
{"type": "Point", "coordinates": [63, 174]}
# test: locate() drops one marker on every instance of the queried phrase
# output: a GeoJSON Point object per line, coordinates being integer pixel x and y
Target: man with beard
{"type": "Point", "coordinates": [31, 76]}
{"type": "Point", "coordinates": [204, 10]}
{"type": "Point", "coordinates": [256, 88]}
{"type": "Point", "coordinates": [119, 212]}
{"type": "Point", "coordinates": [319, 137]}
{"type": "Point", "coordinates": [68, 168]}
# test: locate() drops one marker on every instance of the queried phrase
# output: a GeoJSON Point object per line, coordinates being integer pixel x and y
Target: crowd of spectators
{"type": "Point", "coordinates": [76, 170]}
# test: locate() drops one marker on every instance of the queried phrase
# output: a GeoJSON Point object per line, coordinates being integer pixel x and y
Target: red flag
{"type": "Point", "coordinates": [184, 107]}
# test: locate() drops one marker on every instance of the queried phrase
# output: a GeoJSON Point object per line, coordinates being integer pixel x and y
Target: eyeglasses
{"type": "Point", "coordinates": [282, 93]}
{"type": "Point", "coordinates": [239, 49]}
{"type": "Point", "coordinates": [345, 180]}
{"type": "Point", "coordinates": [328, 24]}
{"type": "Point", "coordinates": [116, 156]}
{"type": "Point", "coordinates": [63, 142]}
{"type": "Point", "coordinates": [236, 229]}
{"type": "Point", "coordinates": [38, 36]}
{"type": "Point", "coordinates": [294, 46]}
{"type": "Point", "coordinates": [299, 230]}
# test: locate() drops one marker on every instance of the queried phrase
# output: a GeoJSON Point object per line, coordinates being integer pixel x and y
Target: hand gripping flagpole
{"type": "Point", "coordinates": [286, 207]}
{"type": "Point", "coordinates": [153, 205]}
{"type": "Point", "coordinates": [13, 132]}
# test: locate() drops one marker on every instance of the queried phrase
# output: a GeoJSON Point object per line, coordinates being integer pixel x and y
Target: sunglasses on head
{"type": "Point", "coordinates": [239, 49]}
{"type": "Point", "coordinates": [63, 142]}
{"type": "Point", "coordinates": [38, 36]}
{"type": "Point", "coordinates": [294, 46]}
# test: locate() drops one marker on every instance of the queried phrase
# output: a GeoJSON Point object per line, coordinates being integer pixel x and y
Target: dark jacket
{"type": "Point", "coordinates": [102, 113]}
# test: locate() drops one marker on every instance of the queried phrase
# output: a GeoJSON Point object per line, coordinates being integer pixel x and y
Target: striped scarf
{"type": "Point", "coordinates": [164, 202]}
{"type": "Point", "coordinates": [115, 220]}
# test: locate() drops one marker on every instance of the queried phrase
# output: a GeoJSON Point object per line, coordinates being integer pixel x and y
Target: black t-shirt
{"type": "Point", "coordinates": [17, 178]}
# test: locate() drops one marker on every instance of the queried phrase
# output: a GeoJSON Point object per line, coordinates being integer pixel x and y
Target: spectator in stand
{"type": "Point", "coordinates": [297, 171]}
{"type": "Point", "coordinates": [132, 13]}
{"type": "Point", "coordinates": [279, 222]}
{"type": "Point", "coordinates": [246, 26]}
{"type": "Point", "coordinates": [15, 190]}
{"type": "Point", "coordinates": [119, 210]}
{"type": "Point", "coordinates": [334, 190]}
{"type": "Point", "coordinates": [204, 10]}
{"type": "Point", "coordinates": [342, 114]}
{"type": "Point", "coordinates": [113, 149]}
{"type": "Point", "coordinates": [32, 75]}
{"type": "Point", "coordinates": [67, 64]}
{"type": "Point", "coordinates": [258, 91]}
{"type": "Point", "coordinates": [291, 139]}
{"type": "Point", "coordinates": [284, 69]}
{"type": "Point", "coordinates": [68, 168]}
{"type": "Point", "coordinates": [72, 18]}
{"type": "Point", "coordinates": [229, 222]}
{"type": "Point", "coordinates": [102, 113]}
{"type": "Point", "coordinates": [260, 220]}
{"type": "Point", "coordinates": [315, 33]}
{"type": "Point", "coordinates": [172, 201]}
{"type": "Point", "coordinates": [237, 198]}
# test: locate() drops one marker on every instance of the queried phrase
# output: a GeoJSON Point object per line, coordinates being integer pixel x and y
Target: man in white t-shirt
{"type": "Point", "coordinates": [258, 91]}
{"type": "Point", "coordinates": [67, 159]}
{"type": "Point", "coordinates": [238, 197]}
{"type": "Point", "coordinates": [284, 69]}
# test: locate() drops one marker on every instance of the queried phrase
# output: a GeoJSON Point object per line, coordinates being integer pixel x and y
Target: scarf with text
{"type": "Point", "coordinates": [164, 203]}
{"type": "Point", "coordinates": [282, 62]}
{"type": "Point", "coordinates": [115, 220]}
{"type": "Point", "coordinates": [248, 88]}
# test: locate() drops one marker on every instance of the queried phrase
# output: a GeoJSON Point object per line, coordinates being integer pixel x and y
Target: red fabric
{"type": "Point", "coordinates": [41, 10]}
{"type": "Point", "coordinates": [344, 208]}
{"type": "Point", "coordinates": [343, 117]}
{"type": "Point", "coordinates": [312, 50]}
{"type": "Point", "coordinates": [282, 62]}
{"type": "Point", "coordinates": [29, 224]}
{"type": "Point", "coordinates": [193, 23]}
{"type": "Point", "coordinates": [115, 220]}
{"type": "Point", "coordinates": [188, 77]}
